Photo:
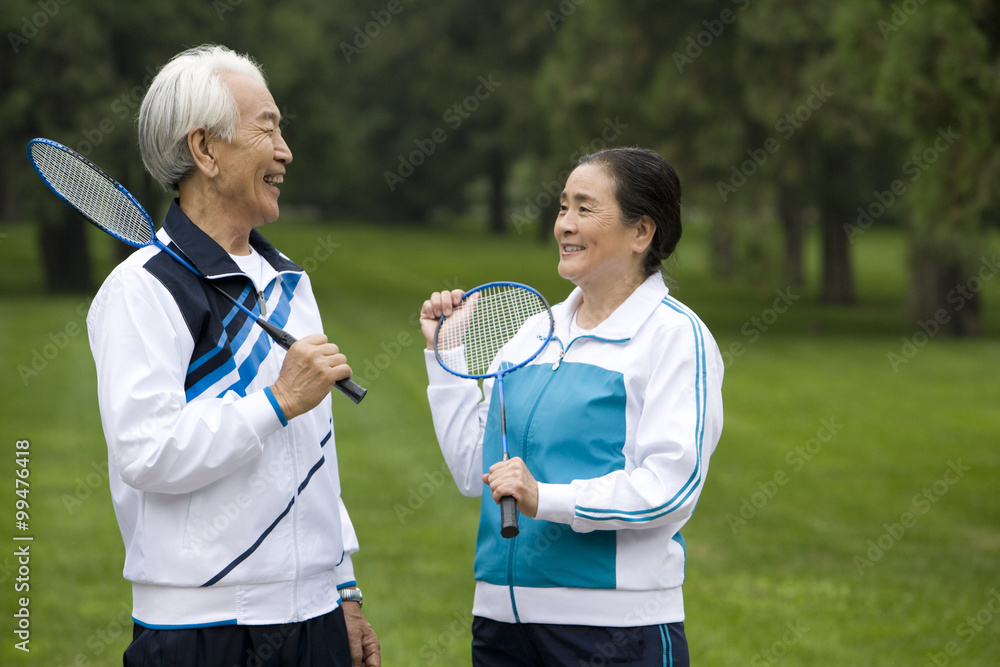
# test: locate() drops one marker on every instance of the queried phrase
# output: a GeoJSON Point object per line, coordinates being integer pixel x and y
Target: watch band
{"type": "Point", "coordinates": [352, 595]}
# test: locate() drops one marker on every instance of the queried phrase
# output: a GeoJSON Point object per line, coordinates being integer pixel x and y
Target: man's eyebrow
{"type": "Point", "coordinates": [269, 116]}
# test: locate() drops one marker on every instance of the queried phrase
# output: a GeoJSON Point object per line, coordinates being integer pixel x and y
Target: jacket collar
{"type": "Point", "coordinates": [625, 320]}
{"type": "Point", "coordinates": [208, 256]}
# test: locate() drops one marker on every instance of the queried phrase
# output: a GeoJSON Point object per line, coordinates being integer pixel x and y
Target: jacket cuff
{"type": "Point", "coordinates": [262, 412]}
{"type": "Point", "coordinates": [438, 375]}
{"type": "Point", "coordinates": [556, 503]}
{"type": "Point", "coordinates": [345, 573]}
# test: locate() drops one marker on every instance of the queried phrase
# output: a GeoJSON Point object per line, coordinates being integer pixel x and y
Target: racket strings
{"type": "Point", "coordinates": [92, 193]}
{"type": "Point", "coordinates": [498, 314]}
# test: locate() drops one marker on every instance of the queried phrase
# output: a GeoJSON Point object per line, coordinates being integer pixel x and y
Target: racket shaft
{"type": "Point", "coordinates": [508, 506]}
{"type": "Point", "coordinates": [349, 387]}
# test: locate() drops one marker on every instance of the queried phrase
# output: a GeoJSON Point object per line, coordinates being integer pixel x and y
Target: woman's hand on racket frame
{"type": "Point", "coordinates": [439, 304]}
{"type": "Point", "coordinates": [511, 478]}
{"type": "Point", "coordinates": [311, 368]}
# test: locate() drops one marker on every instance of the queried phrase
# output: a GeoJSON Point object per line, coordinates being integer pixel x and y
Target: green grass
{"type": "Point", "coordinates": [797, 555]}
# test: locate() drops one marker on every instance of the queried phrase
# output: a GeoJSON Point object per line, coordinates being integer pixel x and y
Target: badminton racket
{"type": "Point", "coordinates": [496, 329]}
{"type": "Point", "coordinates": [107, 204]}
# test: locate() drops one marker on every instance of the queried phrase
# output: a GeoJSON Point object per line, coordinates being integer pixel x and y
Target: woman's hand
{"type": "Point", "coordinates": [439, 304]}
{"type": "Point", "coordinates": [511, 478]}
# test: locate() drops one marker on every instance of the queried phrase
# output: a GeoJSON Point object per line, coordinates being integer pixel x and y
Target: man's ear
{"type": "Point", "coordinates": [202, 149]}
{"type": "Point", "coordinates": [643, 234]}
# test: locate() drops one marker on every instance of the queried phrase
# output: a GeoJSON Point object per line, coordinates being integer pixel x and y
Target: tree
{"type": "Point", "coordinates": [936, 76]}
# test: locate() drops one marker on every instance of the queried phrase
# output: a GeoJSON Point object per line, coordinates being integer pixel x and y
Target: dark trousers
{"type": "Point", "coordinates": [318, 642]}
{"type": "Point", "coordinates": [496, 644]}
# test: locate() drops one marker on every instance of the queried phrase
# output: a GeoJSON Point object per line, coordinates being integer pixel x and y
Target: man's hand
{"type": "Point", "coordinates": [310, 369]}
{"type": "Point", "coordinates": [365, 650]}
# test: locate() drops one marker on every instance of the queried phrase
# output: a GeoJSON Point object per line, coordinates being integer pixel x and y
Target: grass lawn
{"type": "Point", "coordinates": [851, 515]}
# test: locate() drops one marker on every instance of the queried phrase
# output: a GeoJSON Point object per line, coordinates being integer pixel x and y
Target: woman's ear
{"type": "Point", "coordinates": [643, 232]}
{"type": "Point", "coordinates": [203, 152]}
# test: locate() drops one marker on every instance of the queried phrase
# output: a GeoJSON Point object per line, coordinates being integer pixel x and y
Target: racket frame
{"type": "Point", "coordinates": [351, 389]}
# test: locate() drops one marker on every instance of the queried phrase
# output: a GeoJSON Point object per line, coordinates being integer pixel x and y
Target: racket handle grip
{"type": "Point", "coordinates": [349, 387]}
{"type": "Point", "coordinates": [508, 517]}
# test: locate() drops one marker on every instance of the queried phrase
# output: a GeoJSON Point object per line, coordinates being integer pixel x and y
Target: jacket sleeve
{"type": "Point", "coordinates": [677, 428]}
{"type": "Point", "coordinates": [158, 441]}
{"type": "Point", "coordinates": [459, 415]}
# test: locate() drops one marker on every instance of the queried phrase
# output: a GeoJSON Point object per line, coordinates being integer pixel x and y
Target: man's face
{"type": "Point", "coordinates": [252, 166]}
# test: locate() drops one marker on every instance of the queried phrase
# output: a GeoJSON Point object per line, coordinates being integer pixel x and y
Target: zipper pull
{"type": "Point", "coordinates": [555, 366]}
{"type": "Point", "coordinates": [263, 304]}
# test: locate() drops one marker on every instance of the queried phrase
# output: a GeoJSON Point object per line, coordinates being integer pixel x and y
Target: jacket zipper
{"type": "Point", "coordinates": [524, 437]}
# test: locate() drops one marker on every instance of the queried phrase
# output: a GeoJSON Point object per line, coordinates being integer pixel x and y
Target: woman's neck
{"type": "Point", "coordinates": [598, 303]}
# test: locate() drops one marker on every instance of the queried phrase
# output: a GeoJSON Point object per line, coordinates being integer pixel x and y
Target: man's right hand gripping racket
{"type": "Point", "coordinates": [486, 336]}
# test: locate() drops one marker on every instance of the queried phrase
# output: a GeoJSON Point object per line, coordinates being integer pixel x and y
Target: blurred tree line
{"type": "Point", "coordinates": [777, 116]}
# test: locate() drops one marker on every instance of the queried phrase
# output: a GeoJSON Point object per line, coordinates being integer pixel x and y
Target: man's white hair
{"type": "Point", "coordinates": [189, 93]}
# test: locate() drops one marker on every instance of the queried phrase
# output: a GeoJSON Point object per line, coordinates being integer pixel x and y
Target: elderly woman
{"type": "Point", "coordinates": [223, 467]}
{"type": "Point", "coordinates": [610, 431]}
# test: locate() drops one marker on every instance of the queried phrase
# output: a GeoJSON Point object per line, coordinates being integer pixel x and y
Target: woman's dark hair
{"type": "Point", "coordinates": [644, 184]}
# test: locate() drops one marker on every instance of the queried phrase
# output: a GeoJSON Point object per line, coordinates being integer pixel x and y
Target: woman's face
{"type": "Point", "coordinates": [595, 249]}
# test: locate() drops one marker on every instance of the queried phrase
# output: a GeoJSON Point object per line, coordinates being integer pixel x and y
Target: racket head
{"type": "Point", "coordinates": [486, 334]}
{"type": "Point", "coordinates": [90, 190]}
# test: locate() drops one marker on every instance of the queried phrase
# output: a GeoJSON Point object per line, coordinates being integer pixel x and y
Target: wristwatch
{"type": "Point", "coordinates": [351, 595]}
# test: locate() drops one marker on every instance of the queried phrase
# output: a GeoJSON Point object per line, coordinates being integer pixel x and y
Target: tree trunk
{"type": "Point", "coordinates": [837, 284]}
{"type": "Point", "coordinates": [790, 216]}
{"type": "Point", "coordinates": [65, 259]}
{"type": "Point", "coordinates": [833, 194]}
{"type": "Point", "coordinates": [498, 192]}
{"type": "Point", "coordinates": [943, 296]}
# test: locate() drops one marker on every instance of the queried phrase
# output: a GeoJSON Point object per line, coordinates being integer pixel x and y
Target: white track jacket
{"type": "Point", "coordinates": [617, 425]}
{"type": "Point", "coordinates": [229, 513]}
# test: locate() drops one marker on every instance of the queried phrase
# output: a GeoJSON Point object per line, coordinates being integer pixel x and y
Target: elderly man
{"type": "Point", "coordinates": [221, 448]}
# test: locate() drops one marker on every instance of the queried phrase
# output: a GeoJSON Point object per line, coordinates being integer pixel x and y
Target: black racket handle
{"type": "Point", "coordinates": [508, 517]}
{"type": "Point", "coordinates": [349, 387]}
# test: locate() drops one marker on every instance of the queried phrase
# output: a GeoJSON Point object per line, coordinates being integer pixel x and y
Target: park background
{"type": "Point", "coordinates": [840, 165]}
